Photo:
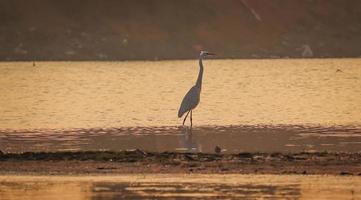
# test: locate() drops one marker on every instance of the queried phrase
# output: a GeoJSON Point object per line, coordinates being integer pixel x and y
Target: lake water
{"type": "Point", "coordinates": [180, 186]}
{"type": "Point", "coordinates": [315, 103]}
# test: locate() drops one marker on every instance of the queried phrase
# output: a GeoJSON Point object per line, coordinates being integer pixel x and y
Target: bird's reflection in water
{"type": "Point", "coordinates": [187, 142]}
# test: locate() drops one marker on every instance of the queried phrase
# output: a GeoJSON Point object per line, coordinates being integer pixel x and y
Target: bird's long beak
{"type": "Point", "coordinates": [211, 54]}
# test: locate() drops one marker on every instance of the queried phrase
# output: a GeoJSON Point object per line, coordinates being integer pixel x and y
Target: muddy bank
{"type": "Point", "coordinates": [204, 139]}
{"type": "Point", "coordinates": [138, 161]}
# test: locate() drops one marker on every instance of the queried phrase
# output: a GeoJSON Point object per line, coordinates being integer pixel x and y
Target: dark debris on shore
{"type": "Point", "coordinates": [139, 156]}
{"type": "Point", "coordinates": [138, 161]}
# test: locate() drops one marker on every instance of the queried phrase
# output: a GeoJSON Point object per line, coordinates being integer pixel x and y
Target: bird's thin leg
{"type": "Point", "coordinates": [191, 119]}
{"type": "Point", "coordinates": [185, 117]}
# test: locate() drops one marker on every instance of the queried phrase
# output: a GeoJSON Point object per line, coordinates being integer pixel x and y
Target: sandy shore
{"type": "Point", "coordinates": [145, 162]}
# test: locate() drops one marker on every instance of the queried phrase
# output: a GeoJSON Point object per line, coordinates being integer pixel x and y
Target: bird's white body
{"type": "Point", "coordinates": [192, 98]}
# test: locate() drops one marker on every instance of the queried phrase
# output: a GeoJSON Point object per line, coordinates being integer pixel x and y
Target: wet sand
{"type": "Point", "coordinates": [138, 161]}
{"type": "Point", "coordinates": [202, 139]}
{"type": "Point", "coordinates": [286, 149]}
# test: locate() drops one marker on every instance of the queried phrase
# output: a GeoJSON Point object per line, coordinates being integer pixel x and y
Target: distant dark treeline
{"type": "Point", "coordinates": [177, 29]}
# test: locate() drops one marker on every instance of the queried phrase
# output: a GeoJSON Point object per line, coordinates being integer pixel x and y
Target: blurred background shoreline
{"type": "Point", "coordinates": [112, 30]}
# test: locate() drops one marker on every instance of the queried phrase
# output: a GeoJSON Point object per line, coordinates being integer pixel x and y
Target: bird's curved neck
{"type": "Point", "coordinates": [200, 74]}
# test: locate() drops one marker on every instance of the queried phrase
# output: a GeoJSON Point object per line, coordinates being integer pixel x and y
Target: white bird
{"type": "Point", "coordinates": [191, 99]}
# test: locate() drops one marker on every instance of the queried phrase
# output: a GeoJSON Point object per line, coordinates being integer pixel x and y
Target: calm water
{"type": "Point", "coordinates": [246, 105]}
{"type": "Point", "coordinates": [118, 94]}
{"type": "Point", "coordinates": [178, 186]}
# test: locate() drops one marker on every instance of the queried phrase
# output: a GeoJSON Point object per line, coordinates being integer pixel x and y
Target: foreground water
{"type": "Point", "coordinates": [246, 105]}
{"type": "Point", "coordinates": [180, 186]}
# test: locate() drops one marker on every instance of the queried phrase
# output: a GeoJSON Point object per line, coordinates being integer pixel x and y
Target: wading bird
{"type": "Point", "coordinates": [191, 99]}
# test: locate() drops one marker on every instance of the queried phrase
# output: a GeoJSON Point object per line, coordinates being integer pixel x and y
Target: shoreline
{"type": "Point", "coordinates": [138, 161]}
{"type": "Point", "coordinates": [178, 59]}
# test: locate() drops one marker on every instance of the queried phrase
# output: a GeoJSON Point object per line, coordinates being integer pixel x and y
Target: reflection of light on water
{"type": "Point", "coordinates": [186, 141]}
{"type": "Point", "coordinates": [43, 189]}
{"type": "Point", "coordinates": [179, 185]}
{"type": "Point", "coordinates": [130, 94]}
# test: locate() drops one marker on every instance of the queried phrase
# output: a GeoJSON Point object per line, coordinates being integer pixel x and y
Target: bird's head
{"type": "Point", "coordinates": [206, 53]}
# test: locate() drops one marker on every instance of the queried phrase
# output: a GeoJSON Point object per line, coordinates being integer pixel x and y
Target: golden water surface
{"type": "Point", "coordinates": [179, 186]}
{"type": "Point", "coordinates": [127, 94]}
